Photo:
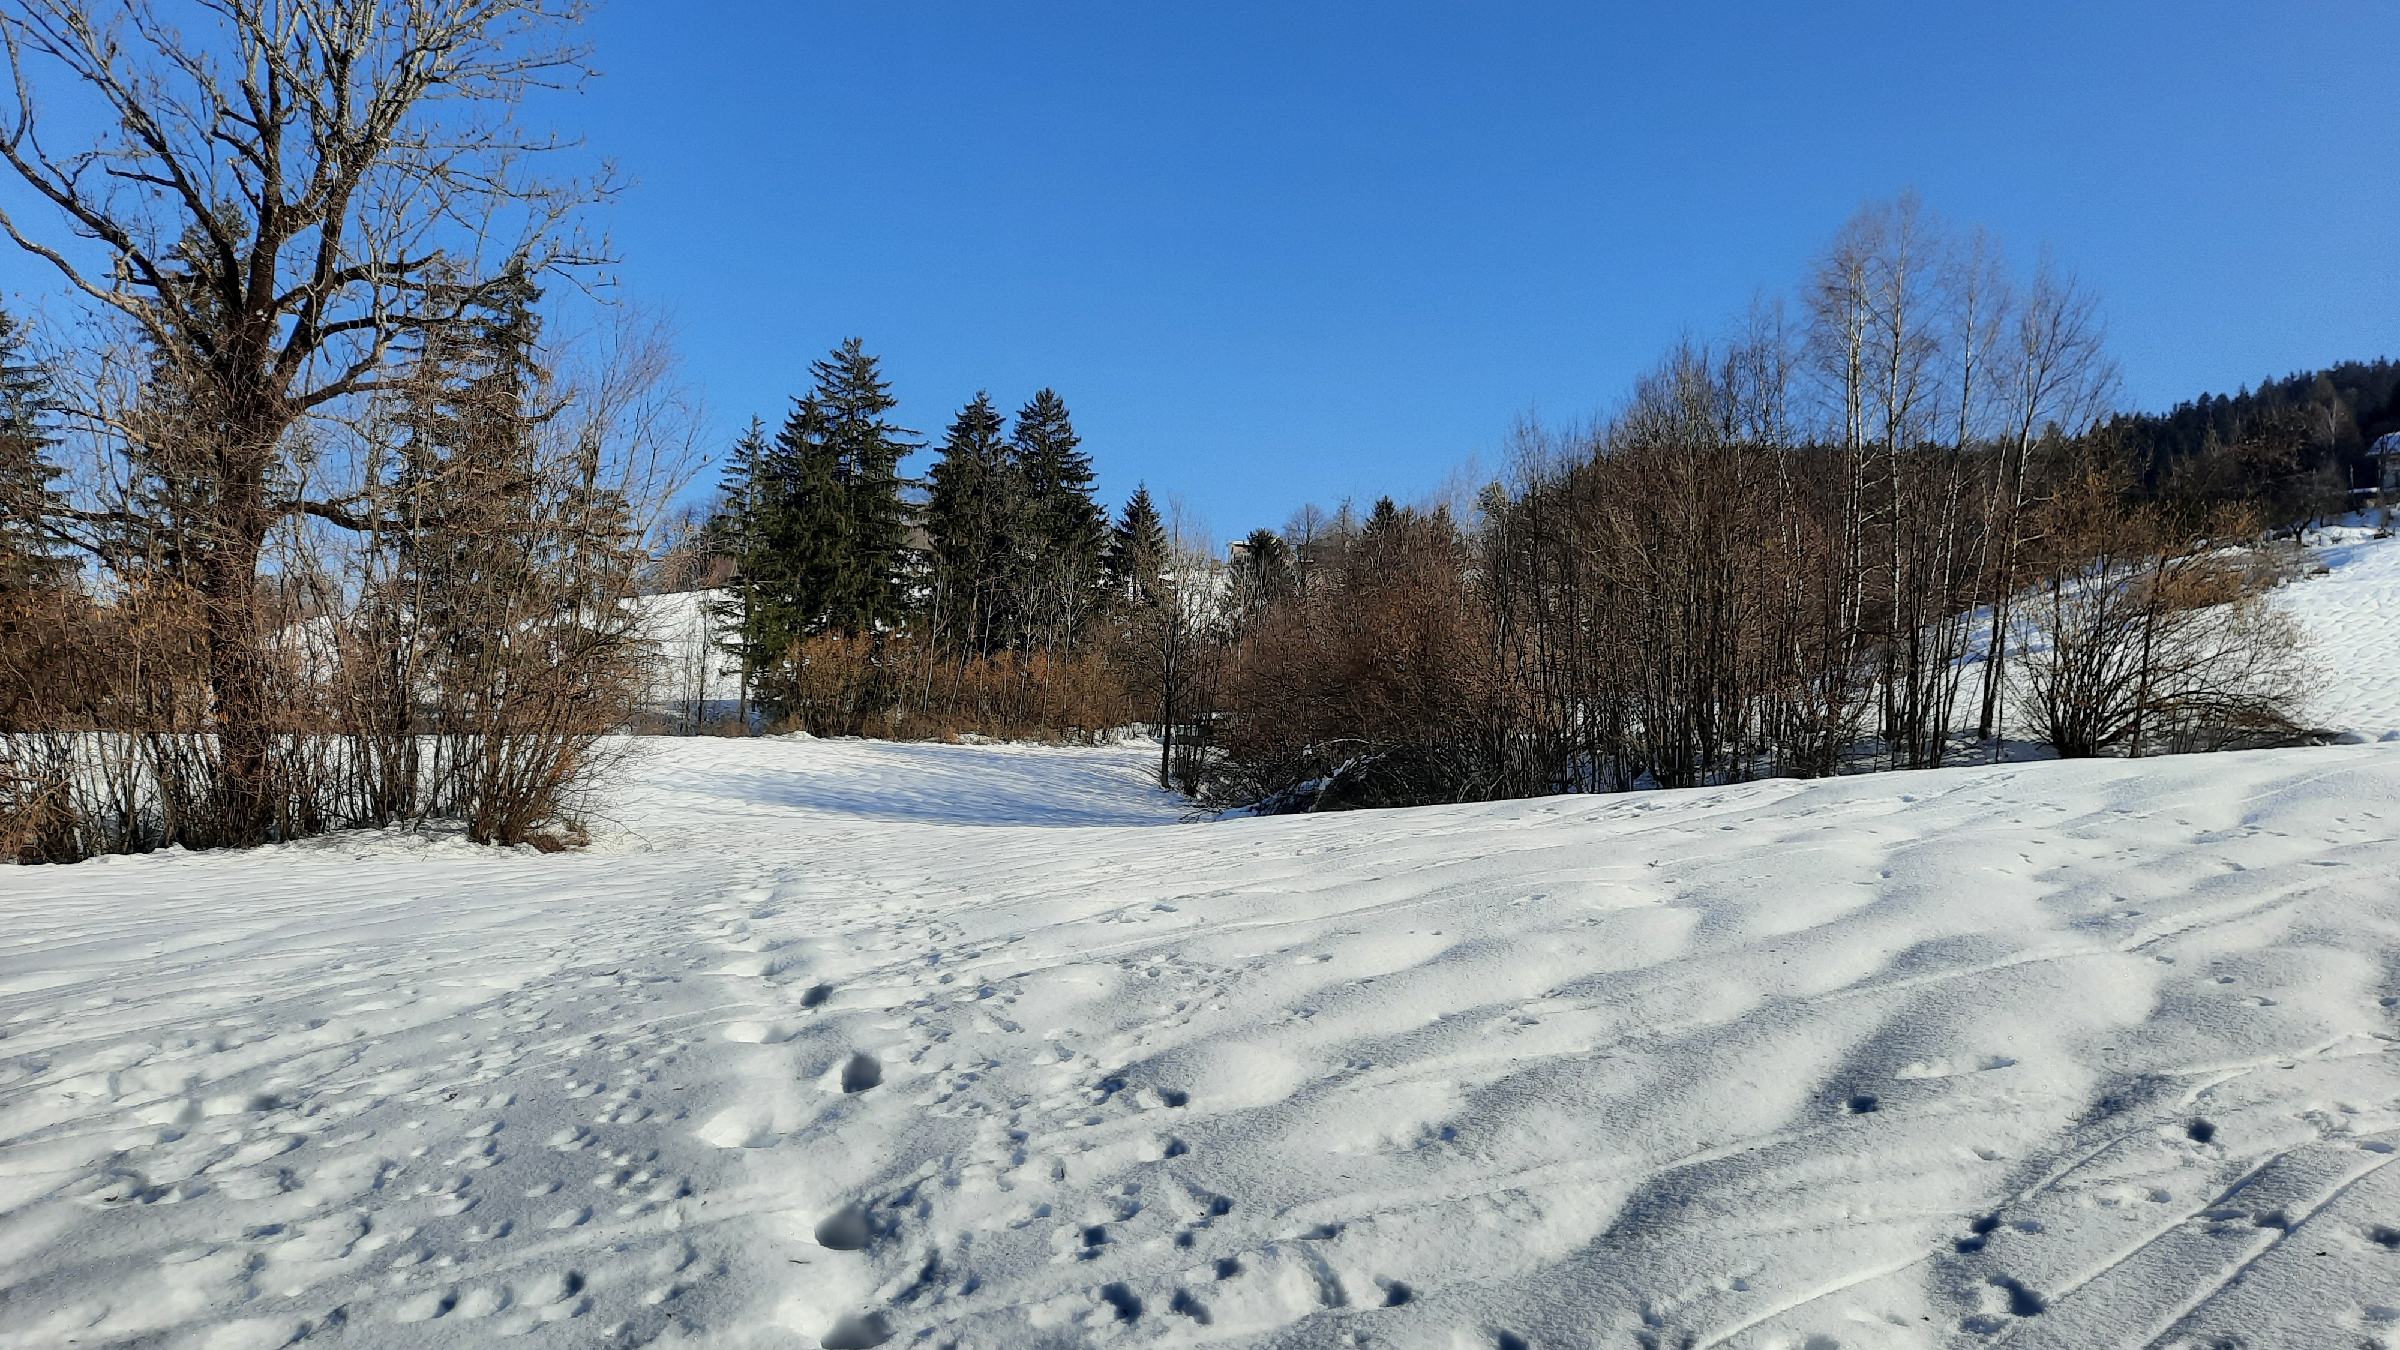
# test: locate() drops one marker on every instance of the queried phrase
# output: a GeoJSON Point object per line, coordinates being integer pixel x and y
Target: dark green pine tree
{"type": "Point", "coordinates": [1064, 533]}
{"type": "Point", "coordinates": [1137, 551]}
{"type": "Point", "coordinates": [30, 507]}
{"type": "Point", "coordinates": [854, 402]}
{"type": "Point", "coordinates": [1262, 575]}
{"type": "Point", "coordinates": [735, 532]}
{"type": "Point", "coordinates": [804, 567]}
{"type": "Point", "coordinates": [971, 505]}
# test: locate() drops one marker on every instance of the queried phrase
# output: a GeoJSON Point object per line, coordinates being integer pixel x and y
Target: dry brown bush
{"type": "Point", "coordinates": [903, 687]}
{"type": "Point", "coordinates": [1378, 687]}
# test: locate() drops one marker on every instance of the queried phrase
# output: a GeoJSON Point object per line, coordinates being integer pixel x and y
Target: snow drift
{"type": "Point", "coordinates": [846, 1044]}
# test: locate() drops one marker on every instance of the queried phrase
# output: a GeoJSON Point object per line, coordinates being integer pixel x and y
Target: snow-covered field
{"type": "Point", "coordinates": [837, 1044]}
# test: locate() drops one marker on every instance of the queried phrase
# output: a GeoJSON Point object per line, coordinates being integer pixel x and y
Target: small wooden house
{"type": "Point", "coordinates": [2384, 454]}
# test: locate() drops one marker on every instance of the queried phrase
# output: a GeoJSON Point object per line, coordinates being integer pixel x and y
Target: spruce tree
{"type": "Point", "coordinates": [853, 400]}
{"type": "Point", "coordinates": [970, 509]}
{"type": "Point", "coordinates": [807, 569]}
{"type": "Point", "coordinates": [466, 487]}
{"type": "Point", "coordinates": [42, 662]}
{"type": "Point", "coordinates": [736, 531]}
{"type": "Point", "coordinates": [29, 505]}
{"type": "Point", "coordinates": [1064, 533]}
{"type": "Point", "coordinates": [1137, 551]}
{"type": "Point", "coordinates": [1261, 575]}
{"type": "Point", "coordinates": [464, 606]}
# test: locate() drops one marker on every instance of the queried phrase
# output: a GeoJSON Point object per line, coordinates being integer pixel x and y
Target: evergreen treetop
{"type": "Point", "coordinates": [972, 510]}
{"type": "Point", "coordinates": [1058, 479]}
{"type": "Point", "coordinates": [1137, 550]}
{"type": "Point", "coordinates": [736, 532]}
{"type": "Point", "coordinates": [852, 403]}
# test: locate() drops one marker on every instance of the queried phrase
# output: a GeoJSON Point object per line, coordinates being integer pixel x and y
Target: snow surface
{"type": "Point", "coordinates": [2352, 618]}
{"type": "Point", "coordinates": [831, 1043]}
{"type": "Point", "coordinates": [986, 1046]}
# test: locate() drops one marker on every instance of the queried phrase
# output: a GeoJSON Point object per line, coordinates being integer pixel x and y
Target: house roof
{"type": "Point", "coordinates": [2386, 446]}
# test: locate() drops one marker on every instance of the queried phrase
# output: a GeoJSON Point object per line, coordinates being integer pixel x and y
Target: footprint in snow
{"type": "Point", "coordinates": [858, 1331]}
{"type": "Point", "coordinates": [844, 1230]}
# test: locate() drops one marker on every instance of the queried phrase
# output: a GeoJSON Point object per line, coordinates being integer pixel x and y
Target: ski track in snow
{"type": "Point", "coordinates": [840, 1044]}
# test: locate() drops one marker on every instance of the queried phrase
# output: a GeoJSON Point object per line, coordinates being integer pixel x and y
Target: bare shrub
{"type": "Point", "coordinates": [2147, 639]}
{"type": "Point", "coordinates": [1377, 688]}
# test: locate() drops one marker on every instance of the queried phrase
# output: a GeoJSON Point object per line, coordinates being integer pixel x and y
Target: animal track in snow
{"type": "Point", "coordinates": [845, 1230]}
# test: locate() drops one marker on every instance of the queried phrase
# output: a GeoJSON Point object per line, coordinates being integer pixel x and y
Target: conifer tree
{"type": "Point", "coordinates": [29, 506]}
{"type": "Point", "coordinates": [466, 486]}
{"type": "Point", "coordinates": [807, 567]}
{"type": "Point", "coordinates": [853, 401]}
{"type": "Point", "coordinates": [736, 531]}
{"type": "Point", "coordinates": [973, 504]}
{"type": "Point", "coordinates": [1137, 551]}
{"type": "Point", "coordinates": [39, 656]}
{"type": "Point", "coordinates": [1262, 575]}
{"type": "Point", "coordinates": [1064, 533]}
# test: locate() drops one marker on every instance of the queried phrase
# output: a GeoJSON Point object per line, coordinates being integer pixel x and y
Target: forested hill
{"type": "Point", "coordinates": [2315, 424]}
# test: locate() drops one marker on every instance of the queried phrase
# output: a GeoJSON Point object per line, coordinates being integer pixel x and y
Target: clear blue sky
{"type": "Point", "coordinates": [1276, 252]}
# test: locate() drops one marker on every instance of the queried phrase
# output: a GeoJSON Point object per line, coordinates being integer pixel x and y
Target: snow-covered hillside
{"type": "Point", "coordinates": [2352, 618]}
{"type": "Point", "coordinates": [830, 1043]}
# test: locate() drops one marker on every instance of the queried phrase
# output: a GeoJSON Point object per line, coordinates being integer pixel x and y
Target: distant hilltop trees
{"type": "Point", "coordinates": [2297, 446]}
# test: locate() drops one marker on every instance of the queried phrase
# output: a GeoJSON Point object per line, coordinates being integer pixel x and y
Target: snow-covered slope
{"type": "Point", "coordinates": [830, 1042]}
{"type": "Point", "coordinates": [2352, 618]}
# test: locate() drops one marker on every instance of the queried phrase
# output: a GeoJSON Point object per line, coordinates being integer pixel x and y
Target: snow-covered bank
{"type": "Point", "coordinates": [833, 1041]}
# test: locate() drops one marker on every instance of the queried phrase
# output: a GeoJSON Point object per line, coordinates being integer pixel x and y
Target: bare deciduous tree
{"type": "Point", "coordinates": [2055, 375]}
{"type": "Point", "coordinates": [286, 193]}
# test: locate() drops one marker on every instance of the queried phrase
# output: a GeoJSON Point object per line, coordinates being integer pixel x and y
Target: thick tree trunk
{"type": "Point", "coordinates": [239, 671]}
{"type": "Point", "coordinates": [238, 687]}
